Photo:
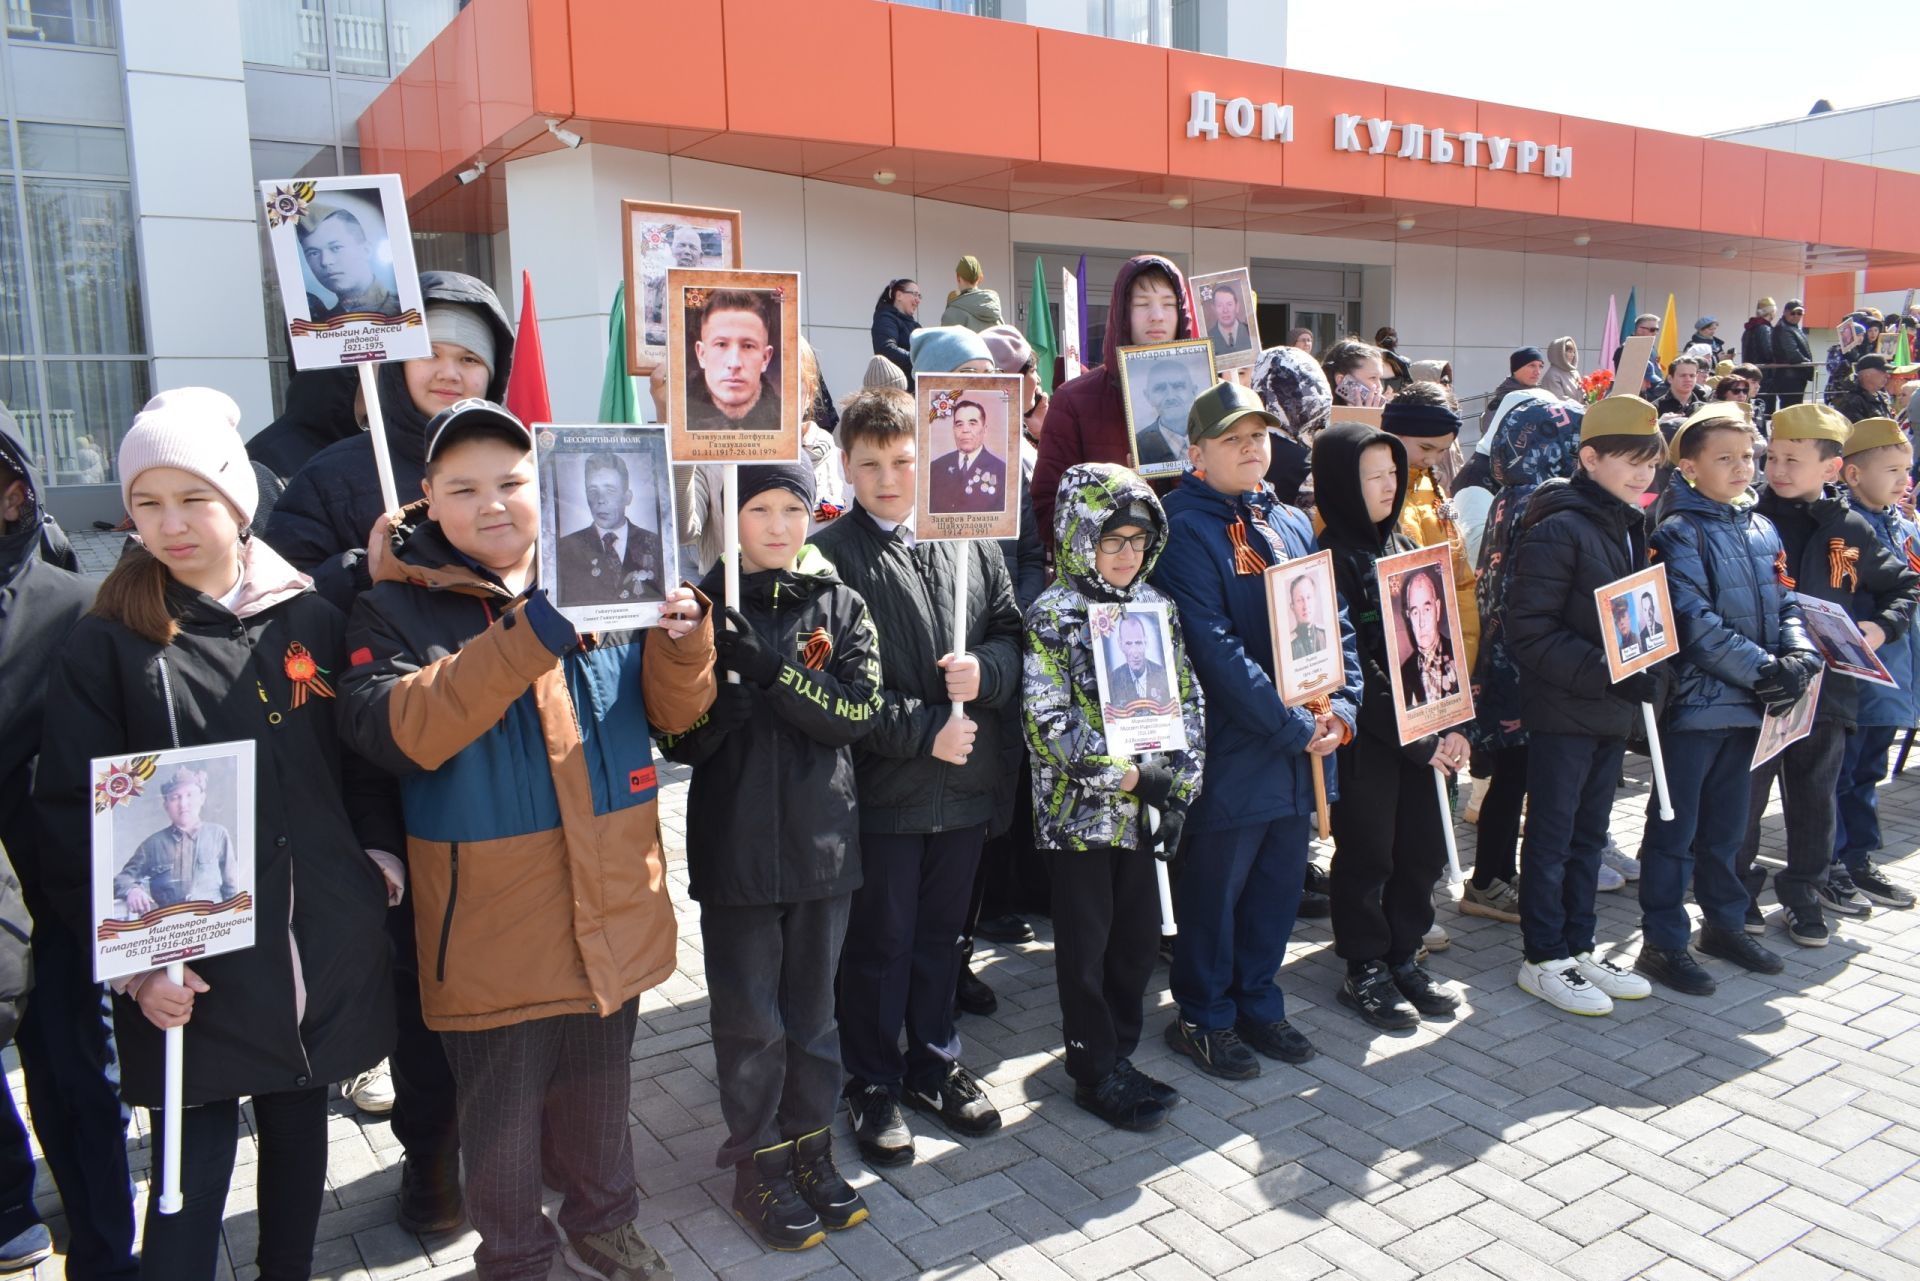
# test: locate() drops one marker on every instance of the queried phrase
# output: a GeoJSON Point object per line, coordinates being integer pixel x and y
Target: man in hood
{"type": "Point", "coordinates": [971, 304]}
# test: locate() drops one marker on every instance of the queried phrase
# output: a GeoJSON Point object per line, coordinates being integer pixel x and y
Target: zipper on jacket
{"type": "Point", "coordinates": [446, 922]}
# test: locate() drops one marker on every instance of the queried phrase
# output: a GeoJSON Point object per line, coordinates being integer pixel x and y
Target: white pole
{"type": "Point", "coordinates": [1659, 765]}
{"type": "Point", "coordinates": [171, 1109]}
{"type": "Point", "coordinates": [730, 518]}
{"type": "Point", "coordinates": [377, 428]}
{"type": "Point", "coordinates": [1454, 876]}
{"type": "Point", "coordinates": [960, 614]}
{"type": "Point", "coordinates": [1168, 927]}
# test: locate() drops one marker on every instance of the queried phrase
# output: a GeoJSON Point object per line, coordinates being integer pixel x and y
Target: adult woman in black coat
{"type": "Point", "coordinates": [894, 323]}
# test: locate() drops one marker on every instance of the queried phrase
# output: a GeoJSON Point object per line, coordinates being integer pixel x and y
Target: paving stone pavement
{"type": "Point", "coordinates": [1771, 1131]}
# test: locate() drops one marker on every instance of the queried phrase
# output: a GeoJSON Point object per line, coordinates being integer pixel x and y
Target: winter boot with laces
{"type": "Point", "coordinates": [820, 1185]}
{"type": "Point", "coordinates": [764, 1195]}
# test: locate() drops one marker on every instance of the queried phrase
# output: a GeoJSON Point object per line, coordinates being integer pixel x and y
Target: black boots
{"type": "Point", "coordinates": [430, 1194]}
{"type": "Point", "coordinates": [764, 1195]}
{"type": "Point", "coordinates": [821, 1187]}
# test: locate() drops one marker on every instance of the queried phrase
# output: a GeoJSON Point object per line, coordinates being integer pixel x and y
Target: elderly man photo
{"type": "Point", "coordinates": [188, 861]}
{"type": "Point", "coordinates": [733, 352]}
{"type": "Point", "coordinates": [1303, 601]}
{"type": "Point", "coordinates": [1229, 331]}
{"type": "Point", "coordinates": [612, 560]}
{"type": "Point", "coordinates": [341, 258]}
{"type": "Point", "coordinates": [1136, 680]}
{"type": "Point", "coordinates": [969, 478]}
{"type": "Point", "coordinates": [688, 251]}
{"type": "Point", "coordinates": [1429, 673]}
{"type": "Point", "coordinates": [1169, 394]}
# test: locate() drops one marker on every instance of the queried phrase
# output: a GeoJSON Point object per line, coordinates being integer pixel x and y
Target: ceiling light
{"type": "Point", "coordinates": [1729, 253]}
{"type": "Point", "coordinates": [470, 176]}
{"type": "Point", "coordinates": [1583, 240]}
{"type": "Point", "coordinates": [1405, 224]}
{"type": "Point", "coordinates": [1177, 202]}
{"type": "Point", "coordinates": [884, 177]}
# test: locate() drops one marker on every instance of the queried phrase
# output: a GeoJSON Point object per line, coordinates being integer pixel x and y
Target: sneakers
{"type": "Point", "coordinates": [1618, 983]}
{"type": "Point", "coordinates": [1279, 1040]}
{"type": "Point", "coordinates": [1219, 1052]}
{"type": "Point", "coordinates": [1740, 948]}
{"type": "Point", "coordinates": [1121, 1099]}
{"type": "Point", "coordinates": [764, 1195]}
{"type": "Point", "coordinates": [1436, 939]}
{"type": "Point", "coordinates": [1005, 928]}
{"type": "Point", "coordinates": [971, 996]}
{"type": "Point", "coordinates": [430, 1194]}
{"type": "Point", "coordinates": [818, 1181]}
{"type": "Point", "coordinates": [620, 1255]}
{"type": "Point", "coordinates": [1838, 895]}
{"type": "Point", "coordinates": [1610, 880]}
{"type": "Point", "coordinates": [1878, 889]}
{"type": "Point", "coordinates": [1676, 968]}
{"type": "Point", "coordinates": [1434, 998]}
{"type": "Point", "coordinates": [1807, 925]}
{"type": "Point", "coordinates": [32, 1246]}
{"type": "Point", "coordinates": [372, 1091]}
{"type": "Point", "coordinates": [1611, 855]}
{"type": "Point", "coordinates": [1314, 906]}
{"type": "Point", "coordinates": [1373, 995]}
{"type": "Point", "coordinates": [1756, 921]}
{"type": "Point", "coordinates": [957, 1100]}
{"type": "Point", "coordinates": [1562, 985]}
{"type": "Point", "coordinates": [878, 1126]}
{"type": "Point", "coordinates": [1157, 1088]}
{"type": "Point", "coordinates": [1500, 901]}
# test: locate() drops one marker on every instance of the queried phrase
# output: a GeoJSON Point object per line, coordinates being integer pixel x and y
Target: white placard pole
{"type": "Point", "coordinates": [730, 520]}
{"type": "Point", "coordinates": [1168, 927]}
{"type": "Point", "coordinates": [960, 615]}
{"type": "Point", "coordinates": [1659, 765]}
{"type": "Point", "coordinates": [171, 1109]}
{"type": "Point", "coordinates": [377, 429]}
{"type": "Point", "coordinates": [1454, 876]}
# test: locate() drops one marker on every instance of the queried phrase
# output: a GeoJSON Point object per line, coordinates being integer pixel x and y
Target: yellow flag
{"type": "Point", "coordinates": [1668, 348]}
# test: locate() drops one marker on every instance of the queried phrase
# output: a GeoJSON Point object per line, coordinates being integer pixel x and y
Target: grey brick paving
{"type": "Point", "coordinates": [1767, 1132]}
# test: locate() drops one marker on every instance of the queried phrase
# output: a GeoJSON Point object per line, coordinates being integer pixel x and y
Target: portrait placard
{"type": "Point", "coordinates": [343, 258]}
{"type": "Point", "coordinates": [607, 550]}
{"type": "Point", "coordinates": [967, 489]}
{"type": "Point", "coordinates": [1139, 687]}
{"type": "Point", "coordinates": [1225, 316]}
{"type": "Point", "coordinates": [1304, 614]}
{"type": "Point", "coordinates": [1841, 643]}
{"type": "Point", "coordinates": [1070, 324]}
{"type": "Point", "coordinates": [1634, 354]}
{"type": "Point", "coordinates": [1368, 414]}
{"type": "Point", "coordinates": [658, 238]}
{"type": "Point", "coordinates": [1636, 622]}
{"type": "Point", "coordinates": [1432, 691]}
{"type": "Point", "coordinates": [1781, 731]}
{"type": "Point", "coordinates": [173, 868]}
{"type": "Point", "coordinates": [1157, 385]}
{"type": "Point", "coordinates": [734, 395]}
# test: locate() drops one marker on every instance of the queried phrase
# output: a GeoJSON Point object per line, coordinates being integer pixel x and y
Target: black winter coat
{"type": "Point", "coordinates": [1856, 404]}
{"type": "Point", "coordinates": [1574, 537]}
{"type": "Point", "coordinates": [316, 812]}
{"type": "Point", "coordinates": [1790, 347]}
{"type": "Point", "coordinates": [319, 413]}
{"type": "Point", "coordinates": [798, 836]}
{"type": "Point", "coordinates": [909, 590]}
{"type": "Point", "coordinates": [1756, 344]}
{"type": "Point", "coordinates": [893, 336]}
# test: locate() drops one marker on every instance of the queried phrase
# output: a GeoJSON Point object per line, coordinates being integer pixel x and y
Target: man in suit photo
{"type": "Point", "coordinates": [613, 560]}
{"type": "Point", "coordinates": [1170, 393]}
{"type": "Point", "coordinates": [1229, 331]}
{"type": "Point", "coordinates": [969, 478]}
{"type": "Point", "coordinates": [1136, 680]}
{"type": "Point", "coordinates": [1429, 674]}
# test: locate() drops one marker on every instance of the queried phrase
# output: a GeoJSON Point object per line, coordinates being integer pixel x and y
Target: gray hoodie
{"type": "Point", "coordinates": [1562, 377]}
{"type": "Point", "coordinates": [976, 308]}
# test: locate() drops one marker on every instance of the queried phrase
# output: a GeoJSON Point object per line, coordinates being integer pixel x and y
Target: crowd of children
{"type": "Point", "coordinates": [479, 765]}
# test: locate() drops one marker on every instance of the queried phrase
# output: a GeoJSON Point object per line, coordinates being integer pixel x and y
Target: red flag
{"type": "Point", "coordinates": [527, 384]}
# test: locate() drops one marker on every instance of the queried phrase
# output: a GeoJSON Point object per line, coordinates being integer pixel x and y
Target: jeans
{"type": "Point", "coordinates": [292, 1130]}
{"type": "Point", "coordinates": [1106, 932]}
{"type": "Point", "coordinates": [1856, 828]}
{"type": "Point", "coordinates": [1570, 784]}
{"type": "Point", "coordinates": [16, 1173]}
{"type": "Point", "coordinates": [1707, 779]}
{"type": "Point", "coordinates": [1236, 899]}
{"type": "Point", "coordinates": [1808, 772]}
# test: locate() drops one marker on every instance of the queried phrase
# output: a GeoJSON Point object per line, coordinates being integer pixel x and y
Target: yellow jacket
{"type": "Point", "coordinates": [1425, 519]}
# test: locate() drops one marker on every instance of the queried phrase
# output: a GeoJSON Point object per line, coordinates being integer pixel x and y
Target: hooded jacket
{"type": "Point", "coordinates": [1734, 613]}
{"type": "Point", "coordinates": [800, 838]}
{"type": "Point", "coordinates": [322, 520]}
{"type": "Point", "coordinates": [1562, 377]}
{"type": "Point", "coordinates": [318, 413]}
{"type": "Point", "coordinates": [1899, 706]}
{"type": "Point", "coordinates": [977, 309]}
{"type": "Point", "coordinates": [908, 587]}
{"type": "Point", "coordinates": [316, 811]}
{"type": "Point", "coordinates": [1087, 423]}
{"type": "Point", "coordinates": [1257, 768]}
{"type": "Point", "coordinates": [1077, 801]}
{"type": "Point", "coordinates": [533, 839]}
{"type": "Point", "coordinates": [1756, 344]}
{"type": "Point", "coordinates": [893, 336]}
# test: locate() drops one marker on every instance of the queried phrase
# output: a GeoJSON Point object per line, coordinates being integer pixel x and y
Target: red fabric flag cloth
{"type": "Point", "coordinates": [527, 396]}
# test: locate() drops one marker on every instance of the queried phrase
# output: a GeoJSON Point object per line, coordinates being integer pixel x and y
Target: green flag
{"type": "Point", "coordinates": [1902, 355]}
{"type": "Point", "coordinates": [619, 397]}
{"type": "Point", "coordinates": [1627, 317]}
{"type": "Point", "coordinates": [1040, 327]}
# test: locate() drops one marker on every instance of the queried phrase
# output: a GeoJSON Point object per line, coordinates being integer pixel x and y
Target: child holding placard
{"type": "Point", "coordinates": [201, 635]}
{"type": "Point", "coordinates": [1575, 537]}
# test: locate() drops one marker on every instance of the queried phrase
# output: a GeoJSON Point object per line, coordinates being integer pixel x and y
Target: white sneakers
{"type": "Point", "coordinates": [372, 1091]}
{"type": "Point", "coordinates": [1583, 985]}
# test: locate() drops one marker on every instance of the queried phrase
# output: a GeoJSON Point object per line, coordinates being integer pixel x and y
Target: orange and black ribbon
{"type": "Point", "coordinates": [307, 676]}
{"type": "Point", "coordinates": [817, 650]}
{"type": "Point", "coordinates": [1843, 564]}
{"type": "Point", "coordinates": [1780, 573]}
{"type": "Point", "coordinates": [1245, 559]}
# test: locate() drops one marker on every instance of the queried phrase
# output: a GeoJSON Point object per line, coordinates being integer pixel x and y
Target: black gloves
{"type": "Point", "coordinates": [740, 649]}
{"type": "Point", "coordinates": [1166, 838]}
{"type": "Point", "coordinates": [1784, 679]}
{"type": "Point", "coordinates": [1155, 785]}
{"type": "Point", "coordinates": [732, 707]}
{"type": "Point", "coordinates": [1641, 687]}
{"type": "Point", "coordinates": [549, 624]}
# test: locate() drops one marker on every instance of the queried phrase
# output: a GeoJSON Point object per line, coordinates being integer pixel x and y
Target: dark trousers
{"type": "Point", "coordinates": [292, 1131]}
{"type": "Point", "coordinates": [1707, 778]}
{"type": "Point", "coordinates": [1388, 851]}
{"type": "Point", "coordinates": [1106, 932]}
{"type": "Point", "coordinates": [1496, 849]}
{"type": "Point", "coordinates": [1236, 900]}
{"type": "Point", "coordinates": [16, 1173]}
{"type": "Point", "coordinates": [776, 1046]}
{"type": "Point", "coordinates": [425, 1118]}
{"type": "Point", "coordinates": [1570, 784]}
{"type": "Point", "coordinates": [72, 1071]}
{"type": "Point", "coordinates": [547, 1094]}
{"type": "Point", "coordinates": [1856, 828]}
{"type": "Point", "coordinates": [1808, 772]}
{"type": "Point", "coordinates": [900, 962]}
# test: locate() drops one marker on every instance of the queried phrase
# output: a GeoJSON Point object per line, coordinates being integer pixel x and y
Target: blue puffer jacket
{"type": "Point", "coordinates": [1879, 705]}
{"type": "Point", "coordinates": [1257, 769]}
{"type": "Point", "coordinates": [1733, 612]}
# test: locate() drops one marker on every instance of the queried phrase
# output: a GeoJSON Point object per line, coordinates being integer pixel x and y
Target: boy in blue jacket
{"type": "Point", "coordinates": [1743, 651]}
{"type": "Point", "coordinates": [1246, 852]}
{"type": "Point", "coordinates": [1878, 463]}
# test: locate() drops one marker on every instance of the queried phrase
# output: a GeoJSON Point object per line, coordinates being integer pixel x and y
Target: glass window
{"type": "Point", "coordinates": [359, 32]}
{"type": "Point", "coordinates": [412, 24]}
{"type": "Point", "coordinates": [6, 147]}
{"type": "Point", "coordinates": [284, 33]}
{"type": "Point", "coordinates": [275, 160]}
{"type": "Point", "coordinates": [14, 338]}
{"type": "Point", "coordinates": [90, 405]}
{"type": "Point", "coordinates": [80, 239]}
{"type": "Point", "coordinates": [73, 149]}
{"type": "Point", "coordinates": [84, 22]}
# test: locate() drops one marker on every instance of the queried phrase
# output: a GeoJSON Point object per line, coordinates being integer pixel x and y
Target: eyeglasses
{"type": "Point", "coordinates": [909, 293]}
{"type": "Point", "coordinates": [1647, 329]}
{"type": "Point", "coordinates": [1114, 544]}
